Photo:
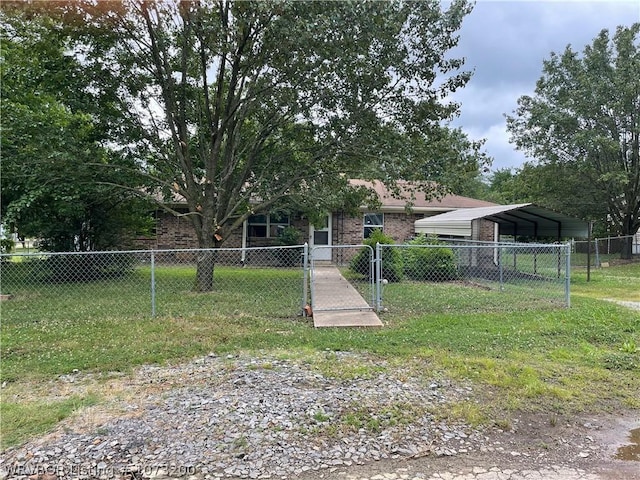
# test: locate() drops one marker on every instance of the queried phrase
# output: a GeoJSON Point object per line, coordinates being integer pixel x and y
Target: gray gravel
{"type": "Point", "coordinates": [253, 418]}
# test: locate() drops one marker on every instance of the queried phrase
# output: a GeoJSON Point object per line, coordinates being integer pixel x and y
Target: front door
{"type": "Point", "coordinates": [320, 236]}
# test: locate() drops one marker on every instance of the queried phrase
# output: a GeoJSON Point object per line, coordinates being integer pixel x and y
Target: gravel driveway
{"type": "Point", "coordinates": [240, 417]}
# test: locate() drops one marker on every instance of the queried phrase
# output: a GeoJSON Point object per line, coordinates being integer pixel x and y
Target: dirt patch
{"type": "Point", "coordinates": [536, 443]}
{"type": "Point", "coordinates": [469, 283]}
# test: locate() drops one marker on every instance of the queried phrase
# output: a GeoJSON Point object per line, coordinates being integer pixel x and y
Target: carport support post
{"type": "Point", "coordinates": [305, 278]}
{"type": "Point", "coordinates": [153, 284]}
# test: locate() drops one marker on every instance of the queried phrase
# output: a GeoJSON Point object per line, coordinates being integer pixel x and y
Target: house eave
{"type": "Point", "coordinates": [401, 209]}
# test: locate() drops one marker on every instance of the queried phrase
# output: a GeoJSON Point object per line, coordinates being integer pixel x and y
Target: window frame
{"type": "Point", "coordinates": [271, 223]}
{"type": "Point", "coordinates": [368, 227]}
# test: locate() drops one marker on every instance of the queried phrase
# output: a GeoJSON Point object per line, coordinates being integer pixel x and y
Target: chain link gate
{"type": "Point", "coordinates": [346, 282]}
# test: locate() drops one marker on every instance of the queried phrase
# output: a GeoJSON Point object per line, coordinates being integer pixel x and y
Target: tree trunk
{"type": "Point", "coordinates": [204, 270]}
{"type": "Point", "coordinates": [205, 258]}
{"type": "Point", "coordinates": [629, 227]}
{"type": "Point", "coordinates": [627, 248]}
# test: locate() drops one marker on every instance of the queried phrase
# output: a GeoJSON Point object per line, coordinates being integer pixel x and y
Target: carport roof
{"type": "Point", "coordinates": [519, 219]}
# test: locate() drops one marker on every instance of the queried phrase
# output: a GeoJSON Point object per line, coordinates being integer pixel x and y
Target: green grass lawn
{"type": "Point", "coordinates": [534, 358]}
{"type": "Point", "coordinates": [621, 282]}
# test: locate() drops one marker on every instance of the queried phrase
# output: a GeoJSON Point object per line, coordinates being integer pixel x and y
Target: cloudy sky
{"type": "Point", "coordinates": [505, 43]}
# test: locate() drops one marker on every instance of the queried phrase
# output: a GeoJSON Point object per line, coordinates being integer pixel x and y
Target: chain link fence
{"type": "Point", "coordinates": [273, 282]}
{"type": "Point", "coordinates": [473, 277]}
{"type": "Point", "coordinates": [601, 251]}
{"type": "Point", "coordinates": [131, 284]}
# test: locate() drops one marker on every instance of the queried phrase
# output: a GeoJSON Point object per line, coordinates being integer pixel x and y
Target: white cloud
{"type": "Point", "coordinates": [497, 145]}
{"type": "Point", "coordinates": [505, 42]}
{"type": "Point", "coordinates": [486, 105]}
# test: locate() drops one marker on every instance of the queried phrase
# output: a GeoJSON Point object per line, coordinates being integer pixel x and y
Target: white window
{"type": "Point", "coordinates": [371, 222]}
{"type": "Point", "coordinates": [267, 226]}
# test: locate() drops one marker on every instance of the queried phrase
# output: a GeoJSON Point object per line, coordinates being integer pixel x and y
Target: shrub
{"type": "Point", "coordinates": [391, 268]}
{"type": "Point", "coordinates": [290, 257]}
{"type": "Point", "coordinates": [425, 260]}
{"type": "Point", "coordinates": [6, 245]}
{"type": "Point", "coordinates": [87, 267]}
{"type": "Point", "coordinates": [290, 236]}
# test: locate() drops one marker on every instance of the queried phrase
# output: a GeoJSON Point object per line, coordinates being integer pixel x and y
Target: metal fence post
{"type": "Point", "coordinates": [501, 267]}
{"type": "Point", "coordinates": [312, 266]}
{"type": "Point", "coordinates": [153, 285]}
{"type": "Point", "coordinates": [378, 277]}
{"type": "Point", "coordinates": [305, 277]}
{"type": "Point", "coordinates": [567, 276]}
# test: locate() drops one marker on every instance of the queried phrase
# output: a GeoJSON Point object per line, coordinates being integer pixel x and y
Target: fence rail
{"type": "Point", "coordinates": [273, 282]}
{"type": "Point", "coordinates": [481, 277]}
{"type": "Point", "coordinates": [163, 282]}
{"type": "Point", "coordinates": [600, 251]}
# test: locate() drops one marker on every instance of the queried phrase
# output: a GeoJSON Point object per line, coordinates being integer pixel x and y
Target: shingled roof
{"type": "Point", "coordinates": [421, 203]}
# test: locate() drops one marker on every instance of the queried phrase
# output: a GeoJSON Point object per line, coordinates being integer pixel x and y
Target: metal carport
{"type": "Point", "coordinates": [524, 219]}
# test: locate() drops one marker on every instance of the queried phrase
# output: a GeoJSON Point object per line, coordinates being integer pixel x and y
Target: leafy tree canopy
{"type": "Point", "coordinates": [583, 128]}
{"type": "Point", "coordinates": [239, 106]}
{"type": "Point", "coordinates": [49, 140]}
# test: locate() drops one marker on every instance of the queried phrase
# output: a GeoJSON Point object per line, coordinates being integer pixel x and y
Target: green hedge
{"type": "Point", "coordinates": [391, 268]}
{"type": "Point", "coordinates": [432, 263]}
{"type": "Point", "coordinates": [6, 245]}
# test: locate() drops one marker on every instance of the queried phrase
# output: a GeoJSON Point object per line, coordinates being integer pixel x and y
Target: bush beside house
{"type": "Point", "coordinates": [391, 268]}
{"type": "Point", "coordinates": [289, 237]}
{"type": "Point", "coordinates": [425, 259]}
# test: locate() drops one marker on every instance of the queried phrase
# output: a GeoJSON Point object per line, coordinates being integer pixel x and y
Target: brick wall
{"type": "Point", "coordinates": [349, 230]}
{"type": "Point", "coordinates": [483, 230]}
{"type": "Point", "coordinates": [177, 232]}
{"type": "Point", "coordinates": [400, 226]}
{"type": "Point", "coordinates": [174, 232]}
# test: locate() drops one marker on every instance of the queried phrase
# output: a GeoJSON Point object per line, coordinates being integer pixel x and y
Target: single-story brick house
{"type": "Point", "coordinates": [339, 228]}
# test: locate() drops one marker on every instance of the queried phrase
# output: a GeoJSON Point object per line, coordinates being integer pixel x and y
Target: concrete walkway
{"type": "Point", "coordinates": [336, 303]}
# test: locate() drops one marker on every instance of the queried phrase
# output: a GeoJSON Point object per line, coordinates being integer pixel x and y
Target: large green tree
{"type": "Point", "coordinates": [237, 106]}
{"type": "Point", "coordinates": [49, 140]}
{"type": "Point", "coordinates": [583, 126]}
